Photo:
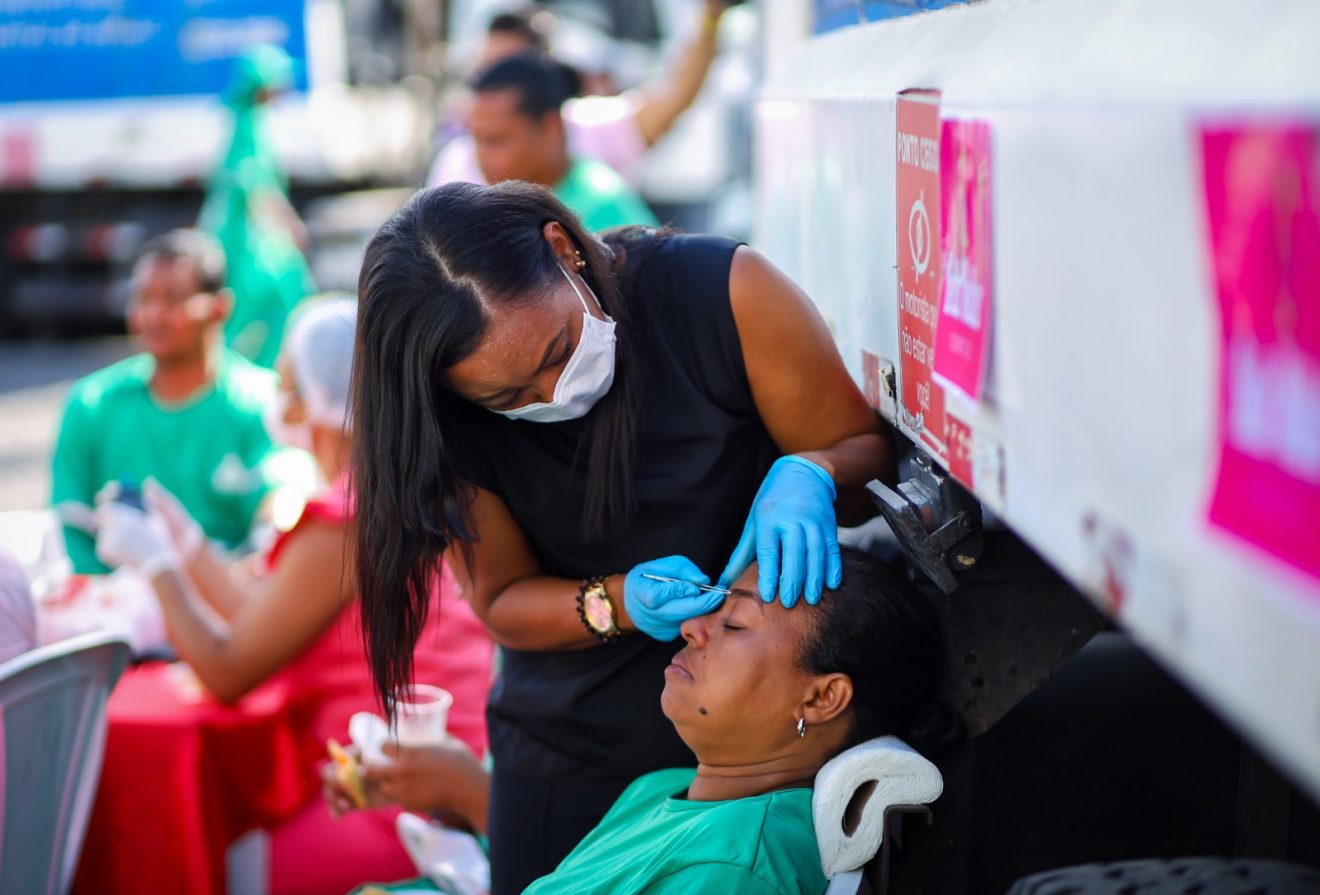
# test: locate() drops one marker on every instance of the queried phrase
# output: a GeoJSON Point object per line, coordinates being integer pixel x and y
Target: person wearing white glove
{"type": "Point", "coordinates": [161, 541]}
{"type": "Point", "coordinates": [127, 536]}
{"type": "Point", "coordinates": [300, 620]}
{"type": "Point", "coordinates": [161, 537]}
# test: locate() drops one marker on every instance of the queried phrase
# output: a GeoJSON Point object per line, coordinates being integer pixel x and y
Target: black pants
{"type": "Point", "coordinates": [535, 822]}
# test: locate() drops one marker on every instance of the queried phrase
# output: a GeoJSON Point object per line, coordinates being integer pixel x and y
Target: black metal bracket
{"type": "Point", "coordinates": [935, 519]}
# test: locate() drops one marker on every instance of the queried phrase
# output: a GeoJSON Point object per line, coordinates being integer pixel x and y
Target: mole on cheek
{"type": "Point", "coordinates": [701, 709]}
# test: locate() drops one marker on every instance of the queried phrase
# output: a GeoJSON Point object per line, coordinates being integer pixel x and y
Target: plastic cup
{"type": "Point", "coordinates": [421, 714]}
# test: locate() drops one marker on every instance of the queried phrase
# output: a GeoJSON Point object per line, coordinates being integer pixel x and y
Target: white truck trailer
{"type": "Point", "coordinates": [1071, 250]}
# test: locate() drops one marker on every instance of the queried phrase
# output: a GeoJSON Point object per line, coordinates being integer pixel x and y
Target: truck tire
{"type": "Point", "coordinates": [1173, 876]}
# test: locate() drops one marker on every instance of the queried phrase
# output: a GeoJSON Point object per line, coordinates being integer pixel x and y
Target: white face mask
{"type": "Point", "coordinates": [297, 435]}
{"type": "Point", "coordinates": [585, 378]}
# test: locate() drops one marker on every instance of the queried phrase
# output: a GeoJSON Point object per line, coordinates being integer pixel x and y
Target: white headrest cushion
{"type": "Point", "coordinates": [902, 776]}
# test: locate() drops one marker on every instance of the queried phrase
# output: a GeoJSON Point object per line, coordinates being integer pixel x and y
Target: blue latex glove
{"type": "Point", "coordinates": [658, 608]}
{"type": "Point", "coordinates": [792, 534]}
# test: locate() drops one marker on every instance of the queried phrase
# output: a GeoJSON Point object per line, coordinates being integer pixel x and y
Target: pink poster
{"type": "Point", "coordinates": [961, 336]}
{"type": "Point", "coordinates": [1262, 198]}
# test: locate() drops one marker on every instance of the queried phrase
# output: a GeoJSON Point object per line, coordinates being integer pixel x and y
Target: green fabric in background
{"type": "Point", "coordinates": [267, 271]}
{"type": "Point", "coordinates": [601, 198]}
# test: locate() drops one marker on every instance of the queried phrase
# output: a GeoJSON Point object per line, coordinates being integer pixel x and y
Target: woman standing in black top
{"type": "Point", "coordinates": [564, 417]}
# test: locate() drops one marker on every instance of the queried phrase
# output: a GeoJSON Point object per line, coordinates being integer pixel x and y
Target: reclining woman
{"type": "Point", "coordinates": [300, 624]}
{"type": "Point", "coordinates": [764, 696]}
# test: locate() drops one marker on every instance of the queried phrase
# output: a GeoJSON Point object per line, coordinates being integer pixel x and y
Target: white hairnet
{"type": "Point", "coordinates": [320, 350]}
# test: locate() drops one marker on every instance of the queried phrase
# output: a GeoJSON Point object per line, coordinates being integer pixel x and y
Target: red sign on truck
{"type": "Point", "coordinates": [921, 401]}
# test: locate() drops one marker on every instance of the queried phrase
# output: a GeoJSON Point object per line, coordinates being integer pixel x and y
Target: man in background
{"type": "Point", "coordinates": [617, 129]}
{"type": "Point", "coordinates": [519, 134]}
{"type": "Point", "coordinates": [187, 411]}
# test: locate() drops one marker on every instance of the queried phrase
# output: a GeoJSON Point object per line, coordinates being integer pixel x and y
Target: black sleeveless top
{"type": "Point", "coordinates": [594, 714]}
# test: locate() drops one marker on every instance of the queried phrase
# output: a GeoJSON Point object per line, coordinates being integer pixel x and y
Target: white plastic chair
{"type": "Point", "coordinates": [52, 740]}
{"type": "Point", "coordinates": [884, 774]}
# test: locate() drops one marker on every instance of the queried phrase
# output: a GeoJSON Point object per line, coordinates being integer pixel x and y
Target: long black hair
{"type": "Point", "coordinates": [429, 277]}
{"type": "Point", "coordinates": [883, 633]}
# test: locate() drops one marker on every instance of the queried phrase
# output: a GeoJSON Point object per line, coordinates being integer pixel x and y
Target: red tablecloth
{"type": "Point", "coordinates": [183, 777]}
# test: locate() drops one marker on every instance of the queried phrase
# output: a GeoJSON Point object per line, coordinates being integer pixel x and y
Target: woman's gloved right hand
{"type": "Point", "coordinates": [659, 608]}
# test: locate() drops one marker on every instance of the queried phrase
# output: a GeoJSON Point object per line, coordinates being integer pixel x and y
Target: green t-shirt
{"type": "Point", "coordinates": [601, 198]}
{"type": "Point", "coordinates": [211, 451]}
{"type": "Point", "coordinates": [655, 841]}
{"type": "Point", "coordinates": [267, 272]}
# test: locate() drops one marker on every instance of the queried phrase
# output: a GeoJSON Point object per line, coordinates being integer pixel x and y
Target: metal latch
{"type": "Point", "coordinates": [935, 519]}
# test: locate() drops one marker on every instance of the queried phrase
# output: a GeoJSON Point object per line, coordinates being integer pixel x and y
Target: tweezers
{"type": "Point", "coordinates": [708, 587]}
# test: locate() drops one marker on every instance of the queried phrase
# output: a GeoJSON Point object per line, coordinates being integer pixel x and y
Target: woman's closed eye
{"type": "Point", "coordinates": [740, 621]}
{"type": "Point", "coordinates": [563, 355]}
{"type": "Point", "coordinates": [557, 353]}
{"type": "Point", "coordinates": [508, 403]}
{"type": "Point", "coordinates": [743, 609]}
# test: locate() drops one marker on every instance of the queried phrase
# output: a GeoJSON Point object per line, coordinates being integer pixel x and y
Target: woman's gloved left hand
{"type": "Point", "coordinates": [792, 534]}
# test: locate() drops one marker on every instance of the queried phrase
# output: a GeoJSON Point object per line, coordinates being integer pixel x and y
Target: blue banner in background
{"type": "Point", "coordinates": [108, 49]}
{"type": "Point", "coordinates": [832, 15]}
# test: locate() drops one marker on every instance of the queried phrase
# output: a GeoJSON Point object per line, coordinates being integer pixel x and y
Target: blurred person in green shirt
{"type": "Point", "coordinates": [187, 411]}
{"type": "Point", "coordinates": [247, 208]}
{"type": "Point", "coordinates": [519, 135]}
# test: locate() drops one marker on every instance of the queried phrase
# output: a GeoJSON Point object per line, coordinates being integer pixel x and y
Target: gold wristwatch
{"type": "Point", "coordinates": [596, 610]}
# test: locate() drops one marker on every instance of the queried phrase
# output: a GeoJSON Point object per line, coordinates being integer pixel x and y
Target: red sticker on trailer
{"type": "Point", "coordinates": [1262, 201]}
{"type": "Point", "coordinates": [921, 401]}
{"type": "Point", "coordinates": [961, 335]}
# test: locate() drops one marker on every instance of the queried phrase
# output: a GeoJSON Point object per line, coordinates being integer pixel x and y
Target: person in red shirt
{"type": "Point", "coordinates": [300, 623]}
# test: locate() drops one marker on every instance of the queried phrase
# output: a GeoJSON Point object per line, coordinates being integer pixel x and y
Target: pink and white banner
{"type": "Point", "coordinates": [966, 288]}
{"type": "Point", "coordinates": [1262, 200]}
